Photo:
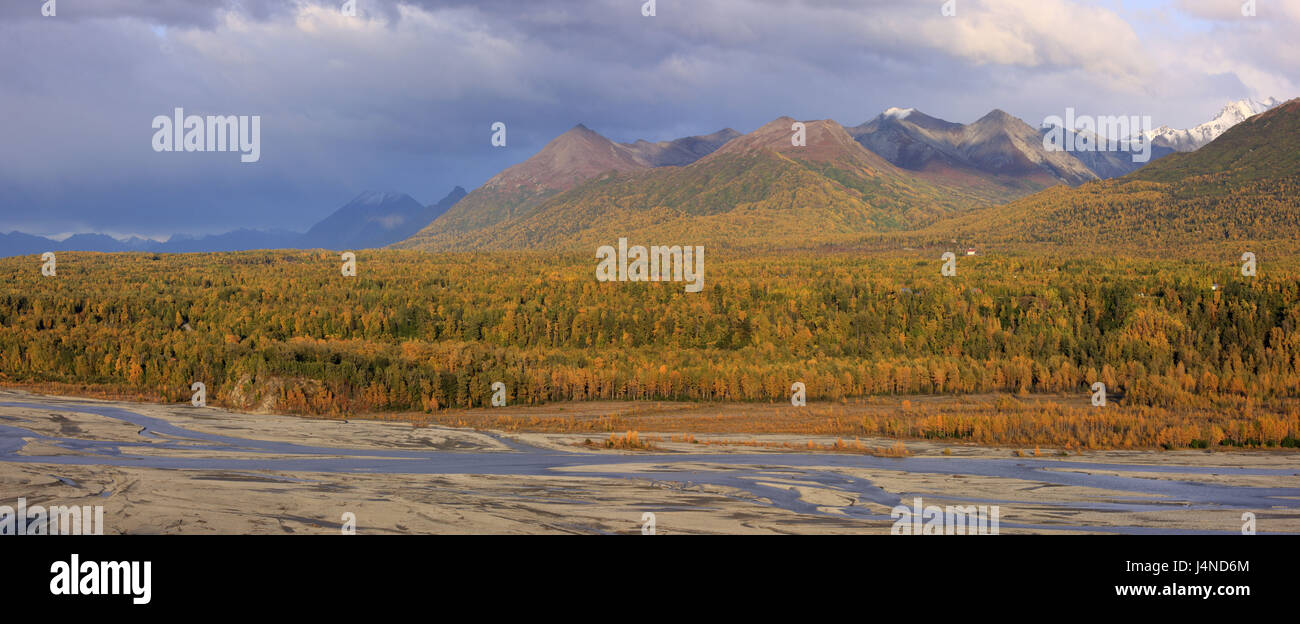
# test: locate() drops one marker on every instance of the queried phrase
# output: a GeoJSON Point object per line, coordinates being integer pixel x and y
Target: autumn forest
{"type": "Point", "coordinates": [1192, 353]}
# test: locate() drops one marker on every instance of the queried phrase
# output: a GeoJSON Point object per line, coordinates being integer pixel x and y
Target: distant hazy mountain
{"type": "Point", "coordinates": [1195, 138]}
{"type": "Point", "coordinates": [568, 161]}
{"type": "Point", "coordinates": [91, 242]}
{"type": "Point", "coordinates": [238, 240]}
{"type": "Point", "coordinates": [375, 219]}
{"type": "Point", "coordinates": [1110, 163]}
{"type": "Point", "coordinates": [996, 145]}
{"type": "Point", "coordinates": [369, 221]}
{"type": "Point", "coordinates": [19, 244]}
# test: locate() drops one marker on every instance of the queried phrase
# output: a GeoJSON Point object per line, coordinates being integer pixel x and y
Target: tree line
{"type": "Point", "coordinates": [421, 332]}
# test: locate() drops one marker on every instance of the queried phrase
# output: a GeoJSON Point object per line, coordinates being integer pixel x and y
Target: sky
{"type": "Point", "coordinates": [402, 95]}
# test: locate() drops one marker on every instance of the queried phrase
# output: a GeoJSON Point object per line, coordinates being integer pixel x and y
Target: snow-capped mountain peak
{"type": "Point", "coordinates": [1194, 138]}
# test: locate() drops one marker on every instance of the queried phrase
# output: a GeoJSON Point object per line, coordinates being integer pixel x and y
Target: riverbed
{"type": "Point", "coordinates": [180, 469]}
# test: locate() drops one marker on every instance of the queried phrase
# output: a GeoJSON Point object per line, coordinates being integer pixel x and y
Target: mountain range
{"type": "Point", "coordinates": [926, 176]}
{"type": "Point", "coordinates": [373, 219]}
{"type": "Point", "coordinates": [757, 182]}
{"type": "Point", "coordinates": [902, 171]}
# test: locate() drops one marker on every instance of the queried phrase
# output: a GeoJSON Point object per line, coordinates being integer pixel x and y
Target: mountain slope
{"type": "Point", "coordinates": [680, 152]}
{"type": "Point", "coordinates": [1245, 185]}
{"type": "Point", "coordinates": [441, 207]}
{"type": "Point", "coordinates": [373, 219]}
{"type": "Point", "coordinates": [1000, 143]}
{"type": "Point", "coordinates": [570, 159]}
{"type": "Point", "coordinates": [998, 148]}
{"type": "Point", "coordinates": [910, 139]}
{"type": "Point", "coordinates": [757, 189]}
